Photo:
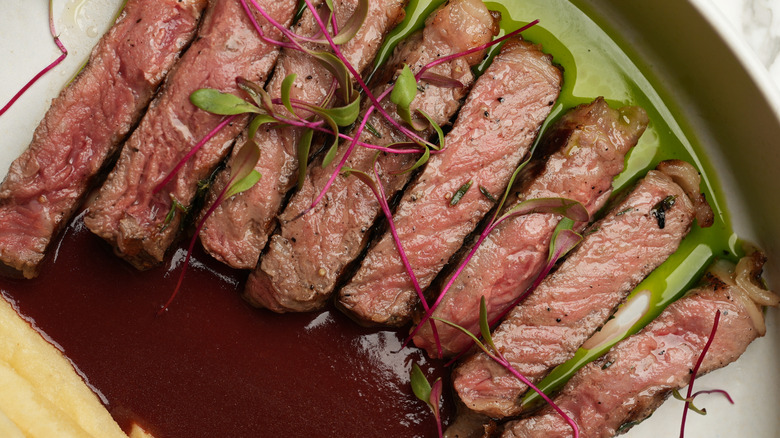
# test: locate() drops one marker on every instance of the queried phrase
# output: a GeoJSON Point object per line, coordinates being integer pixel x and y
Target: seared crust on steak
{"type": "Point", "coordinates": [85, 125]}
{"type": "Point", "coordinates": [627, 384]}
{"type": "Point", "coordinates": [310, 252]}
{"type": "Point", "coordinates": [494, 131]}
{"type": "Point", "coordinates": [126, 212]}
{"type": "Point", "coordinates": [568, 306]}
{"type": "Point", "coordinates": [581, 154]}
{"type": "Point", "coordinates": [238, 229]}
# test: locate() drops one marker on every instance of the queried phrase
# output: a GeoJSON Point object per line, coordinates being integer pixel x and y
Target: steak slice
{"type": "Point", "coordinates": [625, 386]}
{"type": "Point", "coordinates": [580, 156]}
{"type": "Point", "coordinates": [86, 123]}
{"type": "Point", "coordinates": [126, 212]}
{"type": "Point", "coordinates": [495, 129]}
{"type": "Point", "coordinates": [309, 253]}
{"type": "Point", "coordinates": [238, 229]}
{"type": "Point", "coordinates": [547, 328]}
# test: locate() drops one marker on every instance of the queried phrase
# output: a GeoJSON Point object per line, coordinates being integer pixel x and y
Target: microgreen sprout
{"type": "Point", "coordinates": [242, 176]}
{"type": "Point", "coordinates": [430, 394]}
{"type": "Point", "coordinates": [489, 348]}
{"type": "Point", "coordinates": [690, 396]}
{"type": "Point", "coordinates": [375, 185]}
{"type": "Point", "coordinates": [192, 153]}
{"type": "Point", "coordinates": [56, 62]}
{"type": "Point", "coordinates": [564, 239]}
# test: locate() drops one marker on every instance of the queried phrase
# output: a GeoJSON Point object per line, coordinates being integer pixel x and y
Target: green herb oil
{"type": "Point", "coordinates": [597, 64]}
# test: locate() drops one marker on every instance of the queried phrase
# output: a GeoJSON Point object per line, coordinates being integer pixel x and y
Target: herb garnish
{"type": "Point", "coordinates": [430, 394]}
{"type": "Point", "coordinates": [690, 396]}
{"type": "Point", "coordinates": [489, 348]}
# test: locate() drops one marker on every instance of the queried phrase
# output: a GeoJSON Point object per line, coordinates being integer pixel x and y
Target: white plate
{"type": "Point", "coordinates": [721, 93]}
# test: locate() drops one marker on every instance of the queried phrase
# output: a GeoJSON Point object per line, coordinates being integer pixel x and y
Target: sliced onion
{"type": "Point", "coordinates": [753, 311]}
{"type": "Point", "coordinates": [746, 276]}
{"type": "Point", "coordinates": [687, 177]}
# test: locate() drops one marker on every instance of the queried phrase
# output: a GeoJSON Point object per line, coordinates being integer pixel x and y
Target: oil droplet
{"type": "Point", "coordinates": [75, 15]}
{"type": "Point", "coordinates": [92, 31]}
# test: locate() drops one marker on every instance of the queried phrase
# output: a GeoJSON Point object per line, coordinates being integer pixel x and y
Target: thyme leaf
{"type": "Point", "coordinates": [461, 192]}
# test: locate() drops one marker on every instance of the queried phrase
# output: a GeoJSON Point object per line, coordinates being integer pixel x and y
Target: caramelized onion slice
{"type": "Point", "coordinates": [747, 276]}
{"type": "Point", "coordinates": [744, 280]}
{"type": "Point", "coordinates": [687, 177]}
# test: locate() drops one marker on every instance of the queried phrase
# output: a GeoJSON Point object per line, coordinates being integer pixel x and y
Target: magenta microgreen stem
{"type": "Point", "coordinates": [475, 49]}
{"type": "Point", "coordinates": [559, 251]}
{"type": "Point", "coordinates": [56, 62]}
{"type": "Point", "coordinates": [404, 258]}
{"type": "Point", "coordinates": [688, 398]}
{"type": "Point", "coordinates": [713, 391]}
{"type": "Point", "coordinates": [292, 44]}
{"type": "Point", "coordinates": [503, 362]}
{"type": "Point", "coordinates": [359, 79]}
{"type": "Point", "coordinates": [496, 356]}
{"type": "Point", "coordinates": [344, 158]}
{"type": "Point", "coordinates": [190, 249]}
{"type": "Point", "coordinates": [201, 224]}
{"type": "Point", "coordinates": [482, 236]}
{"type": "Point", "coordinates": [192, 152]}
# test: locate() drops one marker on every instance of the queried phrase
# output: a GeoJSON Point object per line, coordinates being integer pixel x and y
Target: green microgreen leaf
{"type": "Point", "coordinates": [287, 84]}
{"type": "Point", "coordinates": [217, 102]}
{"type": "Point", "coordinates": [423, 390]}
{"type": "Point", "coordinates": [330, 155]}
{"type": "Point", "coordinates": [564, 239]}
{"type": "Point", "coordinates": [676, 394]}
{"type": "Point", "coordinates": [484, 325]}
{"type": "Point", "coordinates": [565, 207]}
{"type": "Point", "coordinates": [333, 148]}
{"type": "Point", "coordinates": [244, 184]}
{"type": "Point", "coordinates": [304, 146]}
{"type": "Point", "coordinates": [336, 67]}
{"type": "Point", "coordinates": [243, 174]}
{"type": "Point", "coordinates": [344, 115]}
{"type": "Point", "coordinates": [404, 92]}
{"type": "Point", "coordinates": [426, 155]}
{"type": "Point", "coordinates": [466, 332]}
{"type": "Point", "coordinates": [353, 25]}
{"type": "Point", "coordinates": [329, 3]}
{"type": "Point", "coordinates": [256, 92]}
{"type": "Point", "coordinates": [436, 128]}
{"type": "Point", "coordinates": [363, 176]}
{"type": "Point", "coordinates": [461, 192]}
{"type": "Point", "coordinates": [420, 385]}
{"type": "Point", "coordinates": [511, 184]}
{"type": "Point", "coordinates": [258, 121]}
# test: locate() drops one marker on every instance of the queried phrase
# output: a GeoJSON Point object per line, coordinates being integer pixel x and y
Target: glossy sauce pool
{"type": "Point", "coordinates": [212, 365]}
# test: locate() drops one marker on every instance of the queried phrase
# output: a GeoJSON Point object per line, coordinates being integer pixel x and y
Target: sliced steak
{"type": "Point", "coordinates": [86, 123]}
{"type": "Point", "coordinates": [627, 384]}
{"type": "Point", "coordinates": [547, 328]}
{"type": "Point", "coordinates": [238, 229]}
{"type": "Point", "coordinates": [306, 257]}
{"type": "Point", "coordinates": [495, 129]}
{"type": "Point", "coordinates": [126, 212]}
{"type": "Point", "coordinates": [580, 155]}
